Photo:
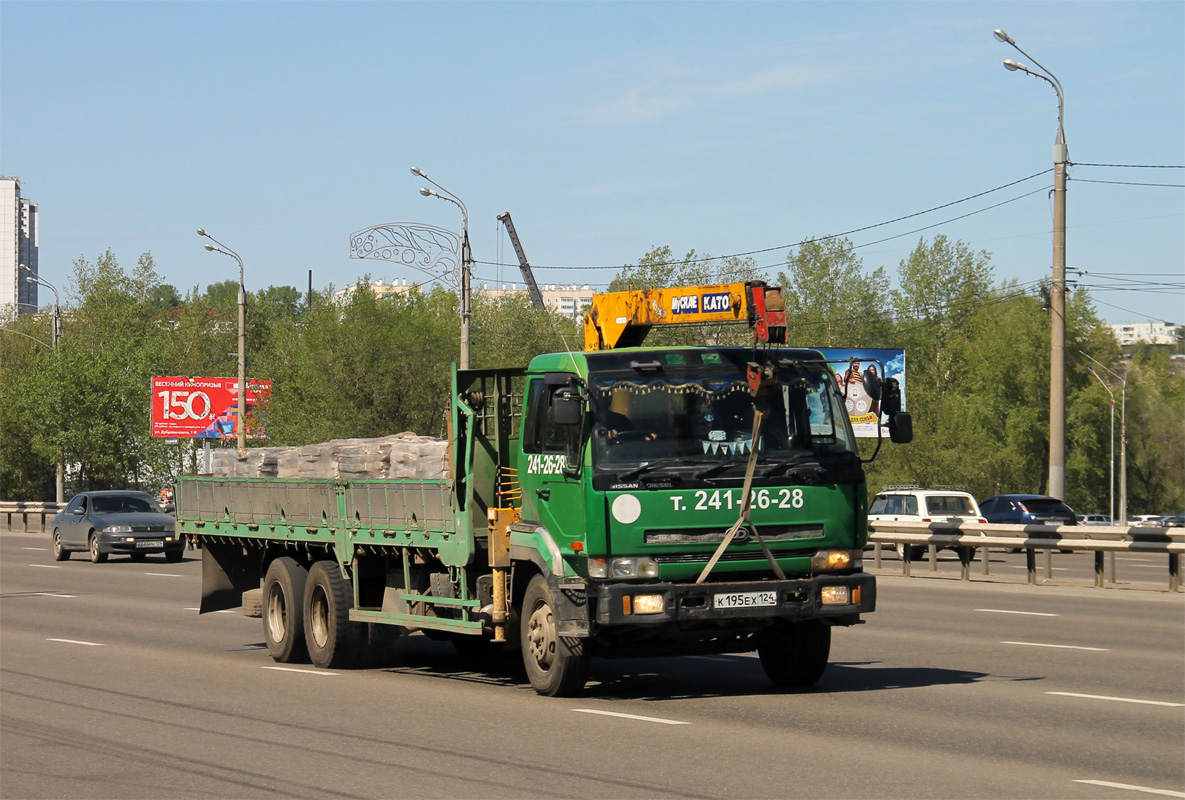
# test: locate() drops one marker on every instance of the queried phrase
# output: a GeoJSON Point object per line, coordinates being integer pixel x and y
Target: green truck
{"type": "Point", "coordinates": [618, 503]}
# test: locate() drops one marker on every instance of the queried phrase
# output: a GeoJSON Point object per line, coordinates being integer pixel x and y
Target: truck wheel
{"type": "Point", "coordinates": [795, 653]}
{"type": "Point", "coordinates": [283, 614]}
{"type": "Point", "coordinates": [59, 553]}
{"type": "Point", "coordinates": [557, 666]}
{"type": "Point", "coordinates": [96, 556]}
{"type": "Point", "coordinates": [333, 641]}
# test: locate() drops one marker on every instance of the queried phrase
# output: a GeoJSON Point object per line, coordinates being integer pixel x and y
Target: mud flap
{"type": "Point", "coordinates": [226, 574]}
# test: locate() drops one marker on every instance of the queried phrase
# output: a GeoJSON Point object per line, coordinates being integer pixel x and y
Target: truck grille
{"type": "Point", "coordinates": [771, 533]}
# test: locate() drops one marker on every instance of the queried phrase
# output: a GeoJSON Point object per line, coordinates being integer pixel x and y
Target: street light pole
{"type": "Point", "coordinates": [1111, 480]}
{"type": "Point", "coordinates": [54, 336]}
{"type": "Point", "coordinates": [464, 255]}
{"type": "Point", "coordinates": [1122, 437]}
{"type": "Point", "coordinates": [1057, 304]}
{"type": "Point", "coordinates": [241, 423]}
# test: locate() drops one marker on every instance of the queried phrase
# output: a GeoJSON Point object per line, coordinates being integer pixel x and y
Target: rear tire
{"type": "Point", "coordinates": [59, 553]}
{"type": "Point", "coordinates": [557, 666]}
{"type": "Point", "coordinates": [795, 653]}
{"type": "Point", "coordinates": [334, 642]}
{"type": "Point", "coordinates": [97, 557]}
{"type": "Point", "coordinates": [283, 610]}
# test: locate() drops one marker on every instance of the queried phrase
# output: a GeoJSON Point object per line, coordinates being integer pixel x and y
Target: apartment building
{"type": "Point", "coordinates": [18, 247]}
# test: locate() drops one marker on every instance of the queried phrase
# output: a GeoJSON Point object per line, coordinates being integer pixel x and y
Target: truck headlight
{"type": "Point", "coordinates": [649, 604]}
{"type": "Point", "coordinates": [631, 567]}
{"type": "Point", "coordinates": [830, 560]}
{"type": "Point", "coordinates": [835, 595]}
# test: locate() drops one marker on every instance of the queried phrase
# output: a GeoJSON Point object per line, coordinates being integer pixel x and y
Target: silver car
{"type": "Point", "coordinates": [120, 522]}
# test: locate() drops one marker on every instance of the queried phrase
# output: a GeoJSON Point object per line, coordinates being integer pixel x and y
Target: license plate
{"type": "Point", "coordinates": [150, 545]}
{"type": "Point", "coordinates": [745, 599]}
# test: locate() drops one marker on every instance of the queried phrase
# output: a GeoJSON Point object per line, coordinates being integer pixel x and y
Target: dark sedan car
{"type": "Point", "coordinates": [1026, 509]}
{"type": "Point", "coordinates": [103, 523]}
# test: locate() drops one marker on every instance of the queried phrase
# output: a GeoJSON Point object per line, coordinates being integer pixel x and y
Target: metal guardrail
{"type": "Point", "coordinates": [969, 536]}
{"type": "Point", "coordinates": [27, 517]}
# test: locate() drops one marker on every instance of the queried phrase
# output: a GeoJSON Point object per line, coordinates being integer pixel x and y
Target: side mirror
{"type": "Point", "coordinates": [901, 428]}
{"type": "Point", "coordinates": [891, 398]}
{"type": "Point", "coordinates": [566, 408]}
{"type": "Point", "coordinates": [80, 511]}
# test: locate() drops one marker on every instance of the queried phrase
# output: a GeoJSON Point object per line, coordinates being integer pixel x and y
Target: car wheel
{"type": "Point", "coordinates": [556, 665]}
{"type": "Point", "coordinates": [334, 642]}
{"type": "Point", "coordinates": [97, 556]}
{"type": "Point", "coordinates": [59, 553]}
{"type": "Point", "coordinates": [283, 610]}
{"type": "Point", "coordinates": [795, 653]}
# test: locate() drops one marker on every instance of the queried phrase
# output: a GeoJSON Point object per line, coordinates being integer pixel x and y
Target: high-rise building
{"type": "Point", "coordinates": [18, 247]}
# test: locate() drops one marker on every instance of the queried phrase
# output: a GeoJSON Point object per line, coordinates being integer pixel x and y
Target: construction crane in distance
{"type": "Point", "coordinates": [532, 287]}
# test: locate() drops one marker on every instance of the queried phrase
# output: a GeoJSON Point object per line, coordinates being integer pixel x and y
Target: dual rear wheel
{"type": "Point", "coordinates": [306, 615]}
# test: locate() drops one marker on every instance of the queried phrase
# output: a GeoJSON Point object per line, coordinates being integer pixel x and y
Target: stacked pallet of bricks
{"type": "Point", "coordinates": [403, 455]}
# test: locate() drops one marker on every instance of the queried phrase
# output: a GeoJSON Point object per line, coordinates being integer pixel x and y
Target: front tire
{"type": "Point", "coordinates": [557, 666]}
{"type": "Point", "coordinates": [97, 556]}
{"type": "Point", "coordinates": [334, 641]}
{"type": "Point", "coordinates": [283, 610]}
{"type": "Point", "coordinates": [795, 653]}
{"type": "Point", "coordinates": [59, 553]}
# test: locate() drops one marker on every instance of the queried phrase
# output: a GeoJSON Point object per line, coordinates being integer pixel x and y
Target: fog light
{"type": "Point", "coordinates": [649, 603]}
{"type": "Point", "coordinates": [835, 595]}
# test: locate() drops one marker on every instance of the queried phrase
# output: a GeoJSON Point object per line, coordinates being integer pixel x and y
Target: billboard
{"type": "Point", "coordinates": [860, 377]}
{"type": "Point", "coordinates": [204, 408]}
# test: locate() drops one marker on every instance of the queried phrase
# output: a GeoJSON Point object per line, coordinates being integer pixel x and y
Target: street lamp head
{"type": "Point", "coordinates": [202, 232]}
{"type": "Point", "coordinates": [427, 192]}
{"type": "Point", "coordinates": [1002, 37]}
{"type": "Point", "coordinates": [419, 172]}
{"type": "Point", "coordinates": [211, 247]}
{"type": "Point", "coordinates": [1013, 66]}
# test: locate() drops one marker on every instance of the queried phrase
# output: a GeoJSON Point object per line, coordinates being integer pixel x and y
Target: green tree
{"type": "Point", "coordinates": [830, 301]}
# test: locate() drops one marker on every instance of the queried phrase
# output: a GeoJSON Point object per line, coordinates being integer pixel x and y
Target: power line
{"type": "Point", "coordinates": [830, 236]}
{"type": "Point", "coordinates": [1130, 166]}
{"type": "Point", "coordinates": [1129, 183]}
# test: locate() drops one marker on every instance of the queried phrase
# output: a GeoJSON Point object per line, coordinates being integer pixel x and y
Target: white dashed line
{"type": "Point", "coordinates": [45, 566]}
{"type": "Point", "coordinates": [304, 671]}
{"type": "Point", "coordinates": [41, 549]}
{"type": "Point", "coordinates": [1026, 613]}
{"type": "Point", "coordinates": [222, 611]}
{"type": "Point", "coordinates": [75, 641]}
{"type": "Point", "coordinates": [659, 720]}
{"type": "Point", "coordinates": [1132, 787]}
{"type": "Point", "coordinates": [1061, 646]}
{"type": "Point", "coordinates": [51, 594]}
{"type": "Point", "coordinates": [1119, 700]}
{"type": "Point", "coordinates": [164, 574]}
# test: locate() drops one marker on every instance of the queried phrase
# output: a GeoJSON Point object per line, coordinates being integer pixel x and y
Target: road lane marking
{"type": "Point", "coordinates": [1148, 789]}
{"type": "Point", "coordinates": [659, 720]}
{"type": "Point", "coordinates": [51, 594]}
{"type": "Point", "coordinates": [1026, 613]}
{"type": "Point", "coordinates": [42, 549]}
{"type": "Point", "coordinates": [45, 566]}
{"type": "Point", "coordinates": [304, 671]}
{"type": "Point", "coordinates": [1119, 700]}
{"type": "Point", "coordinates": [221, 611]}
{"type": "Point", "coordinates": [165, 574]}
{"type": "Point", "coordinates": [75, 641]}
{"type": "Point", "coordinates": [1061, 646]}
{"type": "Point", "coordinates": [1022, 566]}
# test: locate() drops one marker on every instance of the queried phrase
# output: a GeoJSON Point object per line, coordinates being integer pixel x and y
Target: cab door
{"type": "Point", "coordinates": [551, 472]}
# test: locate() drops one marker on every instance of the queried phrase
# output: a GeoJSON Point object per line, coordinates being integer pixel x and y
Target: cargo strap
{"type": "Point", "coordinates": [743, 519]}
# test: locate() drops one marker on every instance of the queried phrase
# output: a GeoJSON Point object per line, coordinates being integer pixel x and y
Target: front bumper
{"type": "Point", "coordinates": [147, 543]}
{"type": "Point", "coordinates": [693, 603]}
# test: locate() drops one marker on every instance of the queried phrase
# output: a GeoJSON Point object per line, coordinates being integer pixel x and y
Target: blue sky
{"type": "Point", "coordinates": [605, 128]}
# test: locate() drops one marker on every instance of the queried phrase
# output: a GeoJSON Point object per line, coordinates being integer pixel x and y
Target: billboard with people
{"type": "Point", "coordinates": [860, 375]}
{"type": "Point", "coordinates": [205, 408]}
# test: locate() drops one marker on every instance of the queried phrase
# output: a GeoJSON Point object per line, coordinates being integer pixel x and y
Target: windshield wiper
{"type": "Point", "coordinates": [716, 469]}
{"type": "Point", "coordinates": [809, 468]}
{"type": "Point", "coordinates": [659, 464]}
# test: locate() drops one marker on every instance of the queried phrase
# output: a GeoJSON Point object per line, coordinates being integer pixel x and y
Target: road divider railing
{"type": "Point", "coordinates": [968, 537]}
{"type": "Point", "coordinates": [27, 517]}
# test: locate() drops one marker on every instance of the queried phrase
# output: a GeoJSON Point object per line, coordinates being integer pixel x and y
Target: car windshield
{"type": "Point", "coordinates": [124, 504]}
{"type": "Point", "coordinates": [950, 504]}
{"type": "Point", "coordinates": [704, 415]}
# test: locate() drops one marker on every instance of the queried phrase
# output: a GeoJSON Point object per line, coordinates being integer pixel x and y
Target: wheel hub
{"type": "Point", "coordinates": [541, 636]}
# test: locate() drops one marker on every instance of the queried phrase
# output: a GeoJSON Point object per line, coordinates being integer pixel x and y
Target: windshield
{"type": "Point", "coordinates": [704, 415]}
{"type": "Point", "coordinates": [949, 504]}
{"type": "Point", "coordinates": [124, 504]}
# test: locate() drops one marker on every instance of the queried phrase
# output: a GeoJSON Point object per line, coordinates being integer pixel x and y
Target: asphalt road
{"type": "Point", "coordinates": [112, 686]}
